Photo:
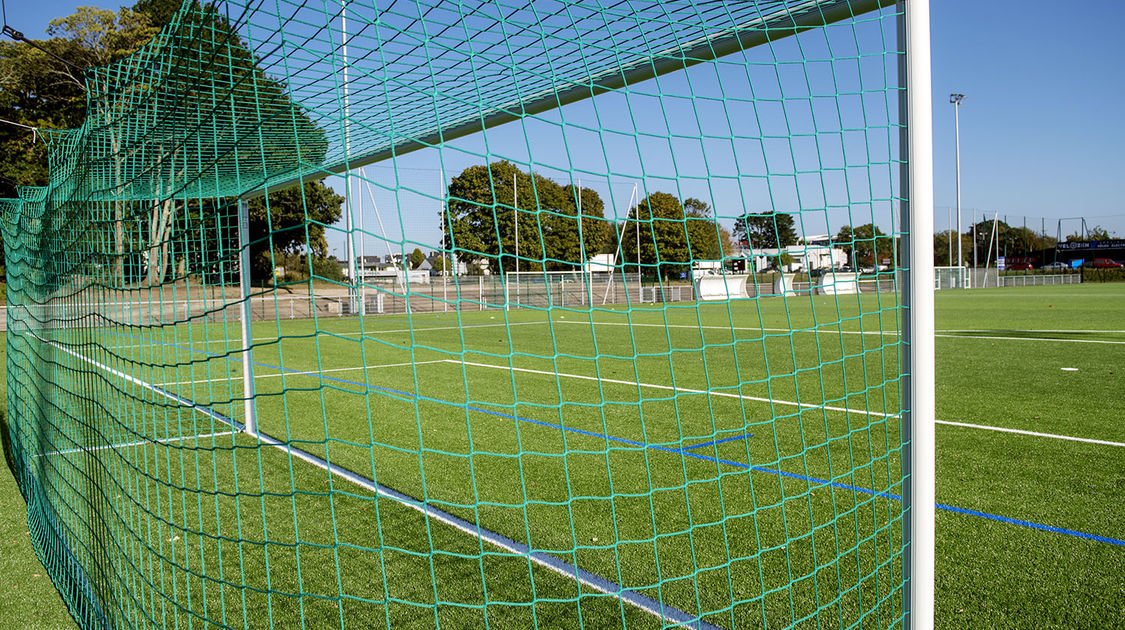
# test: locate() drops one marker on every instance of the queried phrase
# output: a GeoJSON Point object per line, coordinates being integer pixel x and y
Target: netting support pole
{"type": "Point", "coordinates": [250, 417]}
{"type": "Point", "coordinates": [917, 221]}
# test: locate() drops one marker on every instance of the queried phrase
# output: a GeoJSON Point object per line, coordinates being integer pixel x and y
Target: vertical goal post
{"type": "Point", "coordinates": [201, 444]}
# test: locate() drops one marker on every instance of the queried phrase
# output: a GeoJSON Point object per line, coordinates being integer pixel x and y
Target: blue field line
{"type": "Point", "coordinates": [684, 451]}
{"type": "Point", "coordinates": [1039, 526]}
{"type": "Point", "coordinates": [714, 442]}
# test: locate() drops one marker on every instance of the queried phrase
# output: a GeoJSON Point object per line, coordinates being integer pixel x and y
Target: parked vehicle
{"type": "Point", "coordinates": [1104, 263]}
{"type": "Point", "coordinates": [1056, 266]}
{"type": "Point", "coordinates": [1020, 266]}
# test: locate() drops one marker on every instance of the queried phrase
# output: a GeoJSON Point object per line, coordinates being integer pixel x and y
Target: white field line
{"type": "Point", "coordinates": [677, 388]}
{"type": "Point", "coordinates": [136, 381]}
{"type": "Point", "coordinates": [289, 372]}
{"type": "Point", "coordinates": [787, 403]}
{"type": "Point", "coordinates": [134, 443]}
{"type": "Point", "coordinates": [846, 332]}
{"type": "Point", "coordinates": [1033, 433]}
{"type": "Point", "coordinates": [326, 333]}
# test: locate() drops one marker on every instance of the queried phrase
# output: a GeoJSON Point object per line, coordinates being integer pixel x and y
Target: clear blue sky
{"type": "Point", "coordinates": [1042, 128]}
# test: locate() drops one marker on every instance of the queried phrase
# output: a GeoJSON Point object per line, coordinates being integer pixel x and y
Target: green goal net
{"type": "Point", "coordinates": [464, 314]}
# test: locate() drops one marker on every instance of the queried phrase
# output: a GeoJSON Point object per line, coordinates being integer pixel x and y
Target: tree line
{"type": "Point", "coordinates": [994, 237]}
{"type": "Point", "coordinates": [510, 218]}
{"type": "Point", "coordinates": [167, 235]}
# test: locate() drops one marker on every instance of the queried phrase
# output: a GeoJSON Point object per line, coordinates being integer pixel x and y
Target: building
{"type": "Point", "coordinates": [810, 253]}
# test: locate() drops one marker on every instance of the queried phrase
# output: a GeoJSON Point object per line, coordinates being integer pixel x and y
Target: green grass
{"type": "Point", "coordinates": [703, 533]}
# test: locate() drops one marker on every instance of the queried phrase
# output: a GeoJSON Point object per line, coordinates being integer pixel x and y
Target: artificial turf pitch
{"type": "Point", "coordinates": [564, 432]}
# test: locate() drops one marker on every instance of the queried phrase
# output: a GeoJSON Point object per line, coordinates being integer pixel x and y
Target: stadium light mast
{"type": "Point", "coordinates": [956, 100]}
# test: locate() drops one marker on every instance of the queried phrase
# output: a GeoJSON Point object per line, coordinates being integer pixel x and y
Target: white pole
{"type": "Point", "coordinates": [362, 251]}
{"type": "Point", "coordinates": [382, 230]}
{"type": "Point", "coordinates": [352, 266]}
{"type": "Point", "coordinates": [918, 315]}
{"type": "Point", "coordinates": [974, 248]}
{"type": "Point", "coordinates": [957, 151]}
{"type": "Point", "coordinates": [617, 254]}
{"type": "Point", "coordinates": [516, 216]}
{"type": "Point", "coordinates": [587, 273]}
{"type": "Point", "coordinates": [637, 223]}
{"type": "Point", "coordinates": [250, 417]}
{"type": "Point", "coordinates": [988, 257]}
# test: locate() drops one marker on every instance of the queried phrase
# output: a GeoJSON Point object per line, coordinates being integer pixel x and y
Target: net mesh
{"type": "Point", "coordinates": [470, 314]}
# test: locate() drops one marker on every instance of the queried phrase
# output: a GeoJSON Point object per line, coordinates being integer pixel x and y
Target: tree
{"type": "Point", "coordinates": [706, 238]}
{"type": "Point", "coordinates": [659, 221]}
{"type": "Point", "coordinates": [487, 204]}
{"type": "Point", "coordinates": [943, 241]}
{"type": "Point", "coordinates": [1096, 233]}
{"type": "Point", "coordinates": [416, 258]}
{"type": "Point", "coordinates": [161, 92]}
{"type": "Point", "coordinates": [1004, 240]}
{"type": "Point", "coordinates": [765, 230]}
{"type": "Point", "coordinates": [866, 245]}
{"type": "Point", "coordinates": [291, 221]}
{"type": "Point", "coordinates": [38, 90]}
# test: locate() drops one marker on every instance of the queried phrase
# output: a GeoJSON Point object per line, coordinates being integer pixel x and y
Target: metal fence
{"type": "Point", "coordinates": [1040, 281]}
{"type": "Point", "coordinates": [478, 293]}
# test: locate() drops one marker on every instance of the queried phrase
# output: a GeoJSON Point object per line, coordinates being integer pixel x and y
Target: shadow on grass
{"type": "Point", "coordinates": [1086, 335]}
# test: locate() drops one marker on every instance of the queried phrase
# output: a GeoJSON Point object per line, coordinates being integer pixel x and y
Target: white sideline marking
{"type": "Point", "coordinates": [1034, 433]}
{"type": "Point", "coordinates": [290, 372]}
{"type": "Point", "coordinates": [133, 443]}
{"type": "Point", "coordinates": [789, 403]}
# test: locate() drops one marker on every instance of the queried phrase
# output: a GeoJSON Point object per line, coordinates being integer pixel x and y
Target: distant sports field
{"type": "Point", "coordinates": [735, 461]}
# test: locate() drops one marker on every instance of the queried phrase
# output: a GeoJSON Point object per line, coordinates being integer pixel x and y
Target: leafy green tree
{"type": "Point", "coordinates": [706, 238]}
{"type": "Point", "coordinates": [1096, 233]}
{"type": "Point", "coordinates": [943, 241]}
{"type": "Point", "coordinates": [866, 245]}
{"type": "Point", "coordinates": [416, 258]}
{"type": "Point", "coordinates": [38, 90]}
{"type": "Point", "coordinates": [765, 230]}
{"type": "Point", "coordinates": [486, 203]}
{"type": "Point", "coordinates": [160, 12]}
{"type": "Point", "coordinates": [291, 222]}
{"type": "Point", "coordinates": [659, 221]}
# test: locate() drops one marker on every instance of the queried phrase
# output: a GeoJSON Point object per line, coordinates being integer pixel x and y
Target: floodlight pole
{"type": "Point", "coordinates": [956, 100]}
{"type": "Point", "coordinates": [250, 419]}
{"type": "Point", "coordinates": [917, 218]}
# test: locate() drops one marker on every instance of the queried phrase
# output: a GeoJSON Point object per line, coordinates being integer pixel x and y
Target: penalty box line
{"type": "Point", "coordinates": [788, 403]}
{"type": "Point", "coordinates": [163, 441]}
{"type": "Point", "coordinates": [666, 613]}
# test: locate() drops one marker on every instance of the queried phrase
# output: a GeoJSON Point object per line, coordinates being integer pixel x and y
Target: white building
{"type": "Point", "coordinates": [803, 257]}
